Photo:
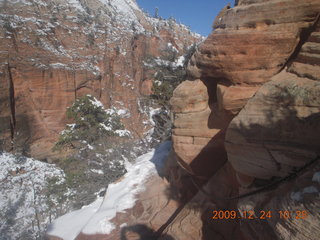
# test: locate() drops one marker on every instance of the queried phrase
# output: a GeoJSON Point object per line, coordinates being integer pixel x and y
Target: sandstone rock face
{"type": "Point", "coordinates": [270, 28]}
{"type": "Point", "coordinates": [233, 98]}
{"type": "Point", "coordinates": [183, 102]}
{"type": "Point", "coordinates": [293, 208]}
{"type": "Point", "coordinates": [276, 134]}
{"type": "Point", "coordinates": [195, 221]}
{"type": "Point", "coordinates": [278, 129]}
{"type": "Point", "coordinates": [280, 123]}
{"type": "Point", "coordinates": [301, 198]}
{"type": "Point", "coordinates": [261, 69]}
{"type": "Point", "coordinates": [52, 52]}
{"type": "Point", "coordinates": [233, 72]}
{"type": "Point", "coordinates": [198, 145]}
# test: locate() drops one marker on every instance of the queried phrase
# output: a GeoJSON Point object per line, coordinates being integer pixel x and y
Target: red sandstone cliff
{"type": "Point", "coordinates": [52, 52]}
{"type": "Point", "coordinates": [246, 130]}
{"type": "Point", "coordinates": [246, 134]}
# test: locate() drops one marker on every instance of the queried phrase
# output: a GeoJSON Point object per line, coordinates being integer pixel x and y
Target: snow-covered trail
{"type": "Point", "coordinates": [95, 218]}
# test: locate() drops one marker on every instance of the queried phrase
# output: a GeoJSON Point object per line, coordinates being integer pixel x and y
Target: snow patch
{"type": "Point", "coordinates": [316, 177]}
{"type": "Point", "coordinates": [180, 61]}
{"type": "Point", "coordinates": [310, 189]}
{"type": "Point", "coordinates": [98, 171]}
{"type": "Point", "coordinates": [23, 200]}
{"type": "Point", "coordinates": [122, 133]}
{"type": "Point", "coordinates": [95, 102]}
{"type": "Point", "coordinates": [298, 196]}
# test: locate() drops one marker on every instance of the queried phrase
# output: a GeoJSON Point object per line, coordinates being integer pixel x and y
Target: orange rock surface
{"type": "Point", "coordinates": [261, 70]}
{"type": "Point", "coordinates": [54, 52]}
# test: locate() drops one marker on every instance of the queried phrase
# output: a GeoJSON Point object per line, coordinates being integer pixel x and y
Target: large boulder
{"type": "Point", "coordinates": [278, 129]}
{"type": "Point", "coordinates": [253, 41]}
{"type": "Point", "coordinates": [232, 72]}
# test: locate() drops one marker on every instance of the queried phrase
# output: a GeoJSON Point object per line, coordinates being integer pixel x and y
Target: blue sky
{"type": "Point", "coordinates": [198, 15]}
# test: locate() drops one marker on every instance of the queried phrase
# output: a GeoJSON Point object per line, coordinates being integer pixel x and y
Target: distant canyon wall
{"type": "Point", "coordinates": [52, 52]}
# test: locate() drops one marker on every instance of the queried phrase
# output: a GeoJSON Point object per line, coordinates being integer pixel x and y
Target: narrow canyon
{"type": "Point", "coordinates": [173, 135]}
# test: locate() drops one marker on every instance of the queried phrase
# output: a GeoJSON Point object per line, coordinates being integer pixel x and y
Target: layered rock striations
{"type": "Point", "coordinates": [251, 43]}
{"type": "Point", "coordinates": [260, 67]}
{"type": "Point", "coordinates": [246, 132]}
{"type": "Point", "coordinates": [193, 129]}
{"type": "Point", "coordinates": [276, 134]}
{"type": "Point", "coordinates": [52, 52]}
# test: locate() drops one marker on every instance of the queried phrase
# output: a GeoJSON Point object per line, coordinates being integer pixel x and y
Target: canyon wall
{"type": "Point", "coordinates": [53, 52]}
{"type": "Point", "coordinates": [248, 123]}
{"type": "Point", "coordinates": [246, 134]}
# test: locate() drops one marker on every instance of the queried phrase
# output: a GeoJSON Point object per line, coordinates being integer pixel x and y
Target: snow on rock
{"type": "Point", "coordinates": [316, 177]}
{"type": "Point", "coordinates": [23, 198]}
{"type": "Point", "coordinates": [122, 133]}
{"type": "Point", "coordinates": [96, 217]}
{"type": "Point", "coordinates": [158, 62]}
{"type": "Point", "coordinates": [126, 7]}
{"type": "Point", "coordinates": [152, 112]}
{"type": "Point", "coordinates": [180, 61]}
{"type": "Point", "coordinates": [76, 4]}
{"type": "Point", "coordinates": [298, 196]}
{"type": "Point", "coordinates": [124, 113]}
{"type": "Point", "coordinates": [95, 102]}
{"type": "Point", "coordinates": [98, 171]}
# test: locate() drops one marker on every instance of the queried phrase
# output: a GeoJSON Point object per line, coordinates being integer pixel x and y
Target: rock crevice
{"type": "Point", "coordinates": [12, 102]}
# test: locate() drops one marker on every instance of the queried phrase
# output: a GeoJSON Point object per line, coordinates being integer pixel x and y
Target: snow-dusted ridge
{"type": "Point", "coordinates": [114, 21]}
{"type": "Point", "coordinates": [95, 218]}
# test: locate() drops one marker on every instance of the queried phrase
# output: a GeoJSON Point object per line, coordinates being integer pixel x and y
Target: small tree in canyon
{"type": "Point", "coordinates": [94, 137]}
{"type": "Point", "coordinates": [91, 122]}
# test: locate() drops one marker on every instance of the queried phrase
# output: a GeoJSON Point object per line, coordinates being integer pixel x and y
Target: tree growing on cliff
{"type": "Point", "coordinates": [95, 158]}
{"type": "Point", "coordinates": [91, 122]}
{"type": "Point", "coordinates": [156, 13]}
{"type": "Point", "coordinates": [170, 71]}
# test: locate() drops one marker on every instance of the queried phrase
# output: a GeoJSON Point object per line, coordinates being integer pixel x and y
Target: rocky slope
{"type": "Point", "coordinates": [52, 52]}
